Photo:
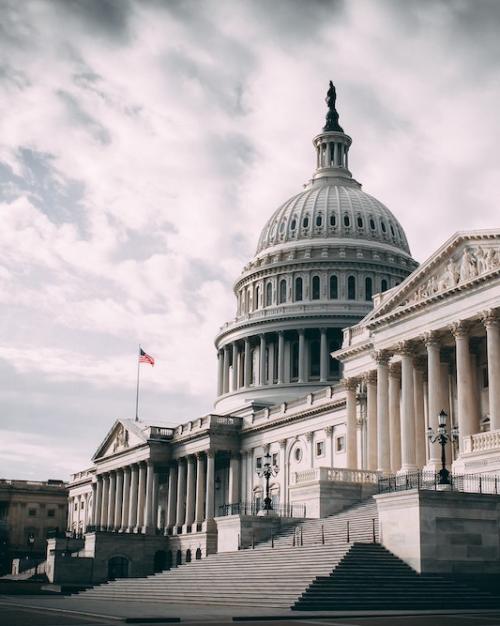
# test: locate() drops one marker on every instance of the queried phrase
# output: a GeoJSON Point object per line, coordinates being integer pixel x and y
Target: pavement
{"type": "Point", "coordinates": [74, 611]}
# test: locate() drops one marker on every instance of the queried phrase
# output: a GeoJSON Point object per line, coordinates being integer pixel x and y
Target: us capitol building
{"type": "Point", "coordinates": [342, 353]}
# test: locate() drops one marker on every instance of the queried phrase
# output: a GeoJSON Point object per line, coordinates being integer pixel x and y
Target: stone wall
{"type": "Point", "coordinates": [323, 498]}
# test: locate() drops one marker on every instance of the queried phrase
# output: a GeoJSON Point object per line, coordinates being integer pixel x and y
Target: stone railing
{"type": "Point", "coordinates": [220, 422]}
{"type": "Point", "coordinates": [160, 432]}
{"type": "Point", "coordinates": [482, 441]}
{"type": "Point", "coordinates": [335, 474]}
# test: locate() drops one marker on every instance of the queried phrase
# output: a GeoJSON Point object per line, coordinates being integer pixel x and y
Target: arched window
{"type": "Point", "coordinates": [360, 222]}
{"type": "Point", "coordinates": [188, 556]}
{"type": "Point", "coordinates": [333, 219]}
{"type": "Point", "coordinates": [198, 554]}
{"type": "Point", "coordinates": [178, 558]}
{"type": "Point", "coordinates": [316, 288]}
{"type": "Point", "coordinates": [383, 285]}
{"type": "Point", "coordinates": [298, 289]}
{"type": "Point", "coordinates": [347, 221]}
{"type": "Point", "coordinates": [305, 222]}
{"type": "Point", "coordinates": [293, 224]}
{"type": "Point", "coordinates": [351, 288]}
{"type": "Point", "coordinates": [319, 220]}
{"type": "Point", "coordinates": [282, 291]}
{"type": "Point", "coordinates": [392, 231]}
{"type": "Point", "coordinates": [314, 364]}
{"type": "Point", "coordinates": [368, 288]}
{"type": "Point", "coordinates": [372, 223]}
{"type": "Point", "coordinates": [334, 287]}
{"type": "Point", "coordinates": [384, 228]}
{"type": "Point", "coordinates": [269, 294]}
{"type": "Point", "coordinates": [257, 296]}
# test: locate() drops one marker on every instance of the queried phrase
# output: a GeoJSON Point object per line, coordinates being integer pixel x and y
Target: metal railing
{"type": "Point", "coordinates": [465, 483]}
{"type": "Point", "coordinates": [252, 508]}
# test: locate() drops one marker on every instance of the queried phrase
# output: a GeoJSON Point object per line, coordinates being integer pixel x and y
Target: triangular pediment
{"type": "Point", "coordinates": [464, 260]}
{"type": "Point", "coordinates": [124, 434]}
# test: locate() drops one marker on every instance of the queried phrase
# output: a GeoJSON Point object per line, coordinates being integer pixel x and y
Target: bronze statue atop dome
{"type": "Point", "coordinates": [332, 117]}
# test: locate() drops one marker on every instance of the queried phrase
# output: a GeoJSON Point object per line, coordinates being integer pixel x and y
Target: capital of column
{"type": "Point", "coordinates": [301, 331]}
{"type": "Point", "coordinates": [490, 318]}
{"type": "Point", "coordinates": [370, 377]}
{"type": "Point", "coordinates": [460, 329]}
{"type": "Point", "coordinates": [431, 339]}
{"type": "Point", "coordinates": [283, 443]}
{"type": "Point", "coordinates": [350, 383]}
{"type": "Point", "coordinates": [405, 348]}
{"type": "Point", "coordinates": [210, 454]}
{"type": "Point", "coordinates": [381, 357]}
{"type": "Point", "coordinates": [309, 436]}
{"type": "Point", "coordinates": [199, 456]}
{"type": "Point", "coordinates": [328, 431]}
{"type": "Point", "coordinates": [395, 370]}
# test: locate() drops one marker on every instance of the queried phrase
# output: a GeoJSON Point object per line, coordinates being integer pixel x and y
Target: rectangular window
{"type": "Point", "coordinates": [76, 506]}
{"type": "Point", "coordinates": [340, 444]}
{"type": "Point", "coordinates": [258, 462]}
{"type": "Point", "coordinates": [51, 513]}
{"type": "Point", "coordinates": [320, 448]}
{"type": "Point", "coordinates": [82, 505]}
{"type": "Point", "coordinates": [32, 512]}
{"type": "Point", "coordinates": [275, 458]}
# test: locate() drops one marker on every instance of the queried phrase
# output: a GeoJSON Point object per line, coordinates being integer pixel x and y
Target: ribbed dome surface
{"type": "Point", "coordinates": [330, 211]}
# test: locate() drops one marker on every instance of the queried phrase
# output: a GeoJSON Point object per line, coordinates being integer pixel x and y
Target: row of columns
{"type": "Point", "coordinates": [396, 398]}
{"type": "Point", "coordinates": [236, 371]}
{"type": "Point", "coordinates": [78, 507]}
{"type": "Point", "coordinates": [331, 154]}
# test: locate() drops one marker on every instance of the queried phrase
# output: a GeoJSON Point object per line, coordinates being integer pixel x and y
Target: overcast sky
{"type": "Point", "coordinates": [143, 146]}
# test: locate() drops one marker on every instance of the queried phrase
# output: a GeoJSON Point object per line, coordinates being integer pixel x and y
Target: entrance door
{"type": "Point", "coordinates": [117, 567]}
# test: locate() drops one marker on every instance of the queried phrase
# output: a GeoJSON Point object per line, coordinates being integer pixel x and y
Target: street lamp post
{"type": "Point", "coordinates": [442, 437]}
{"type": "Point", "coordinates": [266, 471]}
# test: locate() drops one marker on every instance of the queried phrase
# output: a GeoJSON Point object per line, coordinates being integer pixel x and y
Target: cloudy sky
{"type": "Point", "coordinates": [144, 144]}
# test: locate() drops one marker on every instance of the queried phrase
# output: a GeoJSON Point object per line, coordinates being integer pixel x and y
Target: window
{"type": "Point", "coordinates": [275, 458]}
{"type": "Point", "coordinates": [360, 222]}
{"type": "Point", "coordinates": [340, 443]}
{"type": "Point", "coordinates": [82, 505]}
{"type": "Point", "coordinates": [269, 294]}
{"type": "Point", "coordinates": [282, 291]}
{"type": "Point", "coordinates": [32, 512]}
{"type": "Point", "coordinates": [372, 223]}
{"type": "Point", "coordinates": [51, 513]}
{"type": "Point", "coordinates": [368, 288]}
{"type": "Point", "coordinates": [351, 288]}
{"type": "Point", "coordinates": [383, 285]}
{"type": "Point", "coordinates": [257, 296]}
{"type": "Point", "coordinates": [334, 288]}
{"type": "Point", "coordinates": [298, 454]}
{"type": "Point", "coordinates": [293, 224]}
{"type": "Point", "coordinates": [298, 289]}
{"type": "Point", "coordinates": [316, 288]}
{"type": "Point", "coordinates": [392, 231]}
{"type": "Point", "coordinates": [305, 222]}
{"type": "Point", "coordinates": [320, 448]}
{"type": "Point", "coordinates": [258, 462]}
{"type": "Point", "coordinates": [76, 506]}
{"type": "Point", "coordinates": [333, 219]}
{"type": "Point", "coordinates": [384, 228]}
{"type": "Point", "coordinates": [282, 227]}
{"type": "Point", "coordinates": [347, 221]}
{"type": "Point", "coordinates": [319, 220]}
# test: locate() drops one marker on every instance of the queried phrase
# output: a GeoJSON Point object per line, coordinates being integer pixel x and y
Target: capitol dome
{"type": "Point", "coordinates": [320, 259]}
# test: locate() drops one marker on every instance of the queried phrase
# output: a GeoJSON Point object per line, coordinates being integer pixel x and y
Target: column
{"type": "Point", "coordinates": [492, 325]}
{"type": "Point", "coordinates": [310, 441]}
{"type": "Point", "coordinates": [155, 503]}
{"type": "Point", "coordinates": [243, 479]}
{"type": "Point", "coordinates": [141, 494]}
{"type": "Point", "coordinates": [394, 417]}
{"type": "Point", "coordinates": [111, 500]}
{"type": "Point", "coordinates": [418, 395]}
{"type": "Point", "coordinates": [281, 357]}
{"type": "Point", "coordinates": [132, 512]}
{"type": "Point", "coordinates": [329, 445]}
{"type": "Point", "coordinates": [225, 384]}
{"type": "Point", "coordinates": [408, 455]}
{"type": "Point", "coordinates": [181, 493]}
{"type": "Point", "coordinates": [323, 359]}
{"type": "Point", "coordinates": [465, 392]}
{"type": "Point", "coordinates": [283, 474]}
{"type": "Point", "coordinates": [434, 396]}
{"type": "Point", "coordinates": [235, 365]}
{"type": "Point", "coordinates": [118, 500]}
{"type": "Point", "coordinates": [250, 475]}
{"type": "Point", "coordinates": [247, 365]}
{"type": "Point", "coordinates": [148, 504]}
{"type": "Point", "coordinates": [200, 487]}
{"type": "Point", "coordinates": [234, 478]}
{"type": "Point", "coordinates": [105, 502]}
{"type": "Point", "coordinates": [125, 499]}
{"type": "Point", "coordinates": [210, 493]}
{"type": "Point", "coordinates": [371, 416]}
{"type": "Point", "coordinates": [270, 363]}
{"type": "Point", "coordinates": [383, 433]}
{"type": "Point", "coordinates": [172, 496]}
{"type": "Point", "coordinates": [350, 385]}
{"type": "Point", "coordinates": [220, 376]}
{"type": "Point", "coordinates": [190, 491]}
{"type": "Point", "coordinates": [96, 513]}
{"type": "Point", "coordinates": [262, 360]}
{"type": "Point", "coordinates": [301, 355]}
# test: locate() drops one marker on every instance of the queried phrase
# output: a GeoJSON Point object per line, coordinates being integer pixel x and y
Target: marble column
{"type": "Point", "coordinates": [200, 487]}
{"type": "Point", "coordinates": [134, 493]}
{"type": "Point", "coordinates": [351, 385]}
{"type": "Point", "coordinates": [96, 521]}
{"type": "Point", "coordinates": [262, 360]}
{"type": "Point", "coordinates": [270, 363]}
{"type": "Point", "coordinates": [408, 453]}
{"type": "Point", "coordinates": [234, 478]}
{"type": "Point", "coordinates": [418, 395]}
{"type": "Point", "coordinates": [281, 357]}
{"type": "Point", "coordinates": [302, 356]}
{"type": "Point", "coordinates": [434, 396]}
{"type": "Point", "coordinates": [225, 385]}
{"type": "Point", "coordinates": [492, 325]}
{"type": "Point", "coordinates": [394, 417]}
{"type": "Point", "coordinates": [125, 499]}
{"type": "Point", "coordinates": [118, 500]}
{"type": "Point", "coordinates": [148, 504]}
{"type": "Point", "coordinates": [235, 365]}
{"type": "Point", "coordinates": [181, 493]}
{"type": "Point", "coordinates": [465, 393]}
{"type": "Point", "coordinates": [210, 492]}
{"type": "Point", "coordinates": [141, 496]}
{"type": "Point", "coordinates": [383, 433]}
{"type": "Point", "coordinates": [94, 499]}
{"type": "Point", "coordinates": [247, 365]}
{"type": "Point", "coordinates": [105, 502]}
{"type": "Point", "coordinates": [190, 491]}
{"type": "Point", "coordinates": [220, 376]}
{"type": "Point", "coordinates": [243, 470]}
{"type": "Point", "coordinates": [283, 474]}
{"type": "Point", "coordinates": [111, 500]}
{"type": "Point", "coordinates": [371, 416]}
{"type": "Point", "coordinates": [172, 496]}
{"type": "Point", "coordinates": [329, 445]}
{"type": "Point", "coordinates": [323, 357]}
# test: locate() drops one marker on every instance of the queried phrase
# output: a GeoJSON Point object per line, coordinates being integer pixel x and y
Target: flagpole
{"type": "Point", "coordinates": [137, 390]}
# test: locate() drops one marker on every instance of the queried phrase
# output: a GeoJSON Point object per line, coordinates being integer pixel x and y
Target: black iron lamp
{"type": "Point", "coordinates": [266, 471]}
{"type": "Point", "coordinates": [443, 437]}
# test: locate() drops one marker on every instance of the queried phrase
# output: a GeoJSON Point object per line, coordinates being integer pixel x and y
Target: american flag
{"type": "Point", "coordinates": [145, 358]}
